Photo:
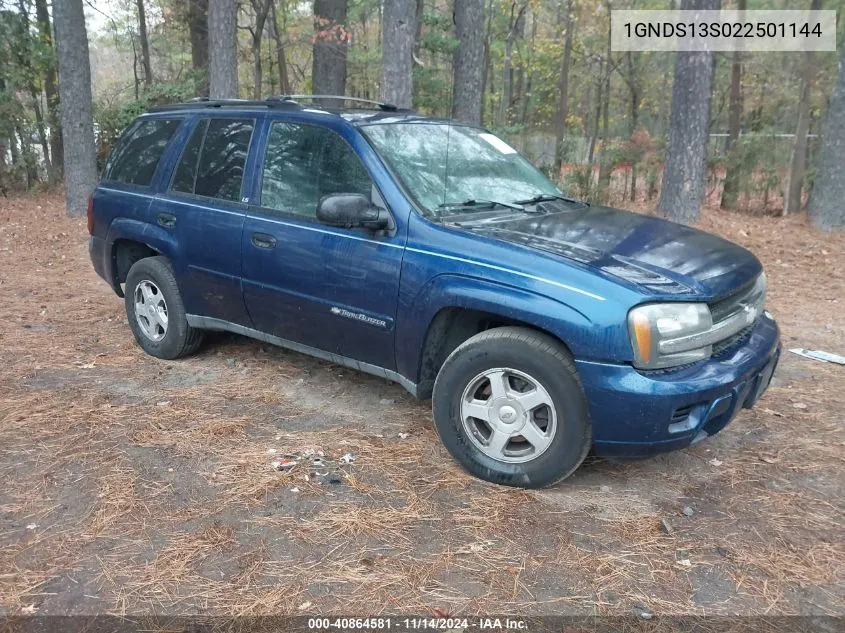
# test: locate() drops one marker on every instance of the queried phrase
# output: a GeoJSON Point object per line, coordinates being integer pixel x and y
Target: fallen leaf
{"type": "Point", "coordinates": [305, 605]}
{"type": "Point", "coordinates": [715, 462]}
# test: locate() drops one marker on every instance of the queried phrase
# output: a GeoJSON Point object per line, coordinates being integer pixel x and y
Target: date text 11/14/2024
{"type": "Point", "coordinates": [417, 624]}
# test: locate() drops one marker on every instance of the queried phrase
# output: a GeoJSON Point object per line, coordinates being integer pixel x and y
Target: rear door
{"type": "Point", "coordinates": [329, 288]}
{"type": "Point", "coordinates": [129, 177]}
{"type": "Point", "coordinates": [204, 206]}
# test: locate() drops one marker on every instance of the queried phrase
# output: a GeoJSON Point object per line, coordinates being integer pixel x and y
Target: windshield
{"type": "Point", "coordinates": [443, 165]}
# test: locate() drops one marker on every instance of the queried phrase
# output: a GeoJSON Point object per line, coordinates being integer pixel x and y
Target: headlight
{"type": "Point", "coordinates": [670, 334]}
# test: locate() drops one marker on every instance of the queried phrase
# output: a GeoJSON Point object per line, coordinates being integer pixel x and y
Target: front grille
{"type": "Point", "coordinates": [752, 293]}
{"type": "Point", "coordinates": [727, 344]}
{"type": "Point", "coordinates": [736, 309]}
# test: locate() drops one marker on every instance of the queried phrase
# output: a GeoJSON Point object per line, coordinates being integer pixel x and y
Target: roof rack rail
{"type": "Point", "coordinates": [205, 102]}
{"type": "Point", "coordinates": [389, 107]}
{"type": "Point", "coordinates": [281, 101]}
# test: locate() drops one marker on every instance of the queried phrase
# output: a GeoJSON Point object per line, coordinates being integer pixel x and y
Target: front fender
{"type": "Point", "coordinates": [578, 331]}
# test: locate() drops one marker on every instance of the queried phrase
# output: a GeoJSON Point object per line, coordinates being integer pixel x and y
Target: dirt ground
{"type": "Point", "coordinates": [136, 486]}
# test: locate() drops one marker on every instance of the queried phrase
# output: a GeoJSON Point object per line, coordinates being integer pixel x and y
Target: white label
{"type": "Point", "coordinates": [723, 31]}
{"type": "Point", "coordinates": [498, 143]}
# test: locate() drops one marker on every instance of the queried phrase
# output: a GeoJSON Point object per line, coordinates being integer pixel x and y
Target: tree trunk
{"type": "Point", "coordinates": [24, 59]}
{"type": "Point", "coordinates": [730, 190]}
{"type": "Point", "coordinates": [284, 82]}
{"type": "Point", "coordinates": [798, 163]}
{"type": "Point", "coordinates": [825, 206]}
{"type": "Point", "coordinates": [468, 63]}
{"type": "Point", "coordinates": [4, 182]}
{"type": "Point", "coordinates": [486, 73]}
{"type": "Point", "coordinates": [605, 168]}
{"type": "Point", "coordinates": [397, 52]}
{"type": "Point", "coordinates": [563, 91]}
{"type": "Point", "coordinates": [80, 158]}
{"type": "Point", "coordinates": [145, 44]}
{"type": "Point", "coordinates": [15, 180]}
{"type": "Point", "coordinates": [505, 103]}
{"type": "Point", "coordinates": [635, 90]}
{"type": "Point", "coordinates": [42, 137]}
{"type": "Point", "coordinates": [29, 161]}
{"type": "Point", "coordinates": [517, 76]}
{"type": "Point", "coordinates": [529, 77]}
{"type": "Point", "coordinates": [45, 31]}
{"type": "Point", "coordinates": [262, 9]}
{"type": "Point", "coordinates": [198, 28]}
{"type": "Point", "coordinates": [685, 172]}
{"type": "Point", "coordinates": [418, 22]}
{"type": "Point", "coordinates": [222, 49]}
{"type": "Point", "coordinates": [595, 130]}
{"type": "Point", "coordinates": [328, 65]}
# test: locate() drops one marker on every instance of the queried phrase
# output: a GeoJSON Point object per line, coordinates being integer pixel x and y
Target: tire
{"type": "Point", "coordinates": [154, 276]}
{"type": "Point", "coordinates": [530, 359]}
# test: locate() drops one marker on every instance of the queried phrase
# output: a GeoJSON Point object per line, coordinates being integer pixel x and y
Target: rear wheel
{"type": "Point", "coordinates": [155, 311]}
{"type": "Point", "coordinates": [509, 406]}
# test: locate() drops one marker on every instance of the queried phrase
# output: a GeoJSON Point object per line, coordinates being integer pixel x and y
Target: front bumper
{"type": "Point", "coordinates": [637, 413]}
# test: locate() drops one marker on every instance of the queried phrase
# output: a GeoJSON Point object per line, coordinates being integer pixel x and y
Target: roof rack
{"type": "Point", "coordinates": [205, 102]}
{"type": "Point", "coordinates": [282, 101]}
{"type": "Point", "coordinates": [389, 107]}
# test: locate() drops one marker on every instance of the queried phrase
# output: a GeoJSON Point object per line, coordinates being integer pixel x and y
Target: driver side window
{"type": "Point", "coordinates": [303, 163]}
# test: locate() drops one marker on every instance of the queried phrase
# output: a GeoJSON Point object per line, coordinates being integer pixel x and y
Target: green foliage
{"type": "Point", "coordinates": [110, 119]}
{"type": "Point", "coordinates": [758, 159]}
{"type": "Point", "coordinates": [532, 32]}
{"type": "Point", "coordinates": [579, 182]}
{"type": "Point", "coordinates": [432, 78]}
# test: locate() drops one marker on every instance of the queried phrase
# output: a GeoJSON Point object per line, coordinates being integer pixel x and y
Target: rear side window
{"type": "Point", "coordinates": [186, 172]}
{"type": "Point", "coordinates": [213, 161]}
{"type": "Point", "coordinates": [135, 159]}
{"type": "Point", "coordinates": [305, 162]}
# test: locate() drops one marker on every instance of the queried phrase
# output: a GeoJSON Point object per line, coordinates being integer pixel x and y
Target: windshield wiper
{"type": "Point", "coordinates": [481, 203]}
{"type": "Point", "coordinates": [546, 197]}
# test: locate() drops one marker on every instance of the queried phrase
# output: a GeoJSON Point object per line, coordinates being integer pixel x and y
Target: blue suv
{"type": "Point", "coordinates": [433, 254]}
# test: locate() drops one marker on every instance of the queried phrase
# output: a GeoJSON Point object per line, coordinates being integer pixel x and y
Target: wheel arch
{"type": "Point", "coordinates": [451, 309]}
{"type": "Point", "coordinates": [132, 240]}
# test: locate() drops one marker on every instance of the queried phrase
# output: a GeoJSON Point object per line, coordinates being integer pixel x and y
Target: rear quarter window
{"type": "Point", "coordinates": [135, 159]}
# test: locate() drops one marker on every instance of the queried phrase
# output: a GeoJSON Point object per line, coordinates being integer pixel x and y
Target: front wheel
{"type": "Point", "coordinates": [509, 406]}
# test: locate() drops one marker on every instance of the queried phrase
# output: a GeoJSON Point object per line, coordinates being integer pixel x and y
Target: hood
{"type": "Point", "coordinates": [657, 256]}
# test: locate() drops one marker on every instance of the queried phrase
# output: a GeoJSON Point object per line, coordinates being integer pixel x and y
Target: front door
{"type": "Point", "coordinates": [203, 204]}
{"type": "Point", "coordinates": [329, 288]}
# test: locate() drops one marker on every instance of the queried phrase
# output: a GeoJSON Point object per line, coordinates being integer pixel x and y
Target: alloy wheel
{"type": "Point", "coordinates": [508, 415]}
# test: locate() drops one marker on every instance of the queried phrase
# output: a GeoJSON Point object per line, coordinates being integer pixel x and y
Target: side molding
{"type": "Point", "coordinates": [209, 323]}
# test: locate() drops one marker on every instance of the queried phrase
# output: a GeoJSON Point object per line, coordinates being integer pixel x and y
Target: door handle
{"type": "Point", "coordinates": [262, 240]}
{"type": "Point", "coordinates": [167, 220]}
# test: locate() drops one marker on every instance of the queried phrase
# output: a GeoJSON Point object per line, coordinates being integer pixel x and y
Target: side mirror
{"type": "Point", "coordinates": [351, 210]}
